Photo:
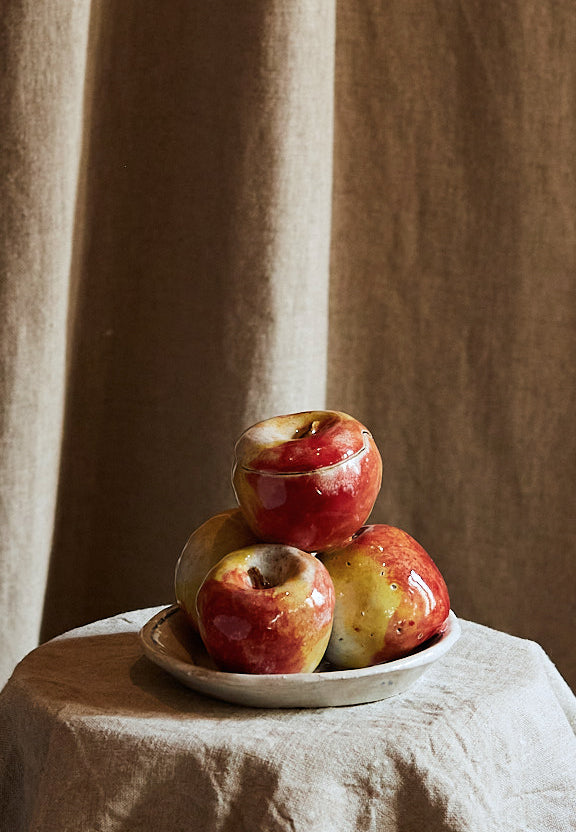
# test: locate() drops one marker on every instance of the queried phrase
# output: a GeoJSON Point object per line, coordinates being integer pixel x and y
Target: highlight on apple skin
{"type": "Point", "coordinates": [266, 609]}
{"type": "Point", "coordinates": [390, 597]}
{"type": "Point", "coordinates": [223, 533]}
{"type": "Point", "coordinates": [307, 479]}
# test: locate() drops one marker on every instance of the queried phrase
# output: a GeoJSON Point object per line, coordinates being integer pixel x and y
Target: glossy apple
{"type": "Point", "coordinates": [307, 479]}
{"type": "Point", "coordinates": [221, 534]}
{"type": "Point", "coordinates": [390, 597]}
{"type": "Point", "coordinates": [266, 609]}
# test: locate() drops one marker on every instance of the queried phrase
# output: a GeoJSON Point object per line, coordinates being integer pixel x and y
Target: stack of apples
{"type": "Point", "coordinates": [292, 575]}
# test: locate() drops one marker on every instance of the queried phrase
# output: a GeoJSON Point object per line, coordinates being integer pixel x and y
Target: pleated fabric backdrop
{"type": "Point", "coordinates": [215, 212]}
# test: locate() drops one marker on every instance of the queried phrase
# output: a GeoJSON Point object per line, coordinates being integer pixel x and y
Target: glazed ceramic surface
{"type": "Point", "coordinates": [307, 479]}
{"type": "Point", "coordinates": [390, 597]}
{"type": "Point", "coordinates": [169, 642]}
{"type": "Point", "coordinates": [266, 609]}
{"type": "Point", "coordinates": [217, 537]}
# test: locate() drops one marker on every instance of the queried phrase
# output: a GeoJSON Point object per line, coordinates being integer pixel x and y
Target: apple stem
{"type": "Point", "coordinates": [259, 581]}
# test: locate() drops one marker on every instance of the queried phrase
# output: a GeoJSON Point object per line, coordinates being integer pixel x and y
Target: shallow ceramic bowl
{"type": "Point", "coordinates": [169, 642]}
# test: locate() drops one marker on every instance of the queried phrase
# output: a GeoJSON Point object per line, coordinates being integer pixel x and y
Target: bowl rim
{"type": "Point", "coordinates": [149, 636]}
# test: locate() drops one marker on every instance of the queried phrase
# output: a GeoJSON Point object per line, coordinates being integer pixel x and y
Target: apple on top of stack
{"type": "Point", "coordinates": [293, 576]}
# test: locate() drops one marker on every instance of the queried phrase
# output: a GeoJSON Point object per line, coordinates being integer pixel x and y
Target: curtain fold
{"type": "Point", "coordinates": [214, 212]}
{"type": "Point", "coordinates": [453, 293]}
{"type": "Point", "coordinates": [202, 278]}
{"type": "Point", "coordinates": [41, 99]}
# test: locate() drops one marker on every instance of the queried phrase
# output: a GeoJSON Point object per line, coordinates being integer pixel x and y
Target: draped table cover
{"type": "Point", "coordinates": [93, 736]}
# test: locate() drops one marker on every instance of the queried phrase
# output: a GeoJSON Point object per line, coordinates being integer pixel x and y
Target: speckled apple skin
{"type": "Point", "coordinates": [281, 629]}
{"type": "Point", "coordinates": [390, 597]}
{"type": "Point", "coordinates": [223, 533]}
{"type": "Point", "coordinates": [311, 491]}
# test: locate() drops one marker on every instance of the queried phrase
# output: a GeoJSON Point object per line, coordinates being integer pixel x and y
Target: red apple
{"type": "Point", "coordinates": [221, 534]}
{"type": "Point", "coordinates": [307, 479]}
{"type": "Point", "coordinates": [390, 597]}
{"type": "Point", "coordinates": [266, 609]}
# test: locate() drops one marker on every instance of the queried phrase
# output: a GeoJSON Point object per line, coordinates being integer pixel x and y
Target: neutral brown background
{"type": "Point", "coordinates": [212, 213]}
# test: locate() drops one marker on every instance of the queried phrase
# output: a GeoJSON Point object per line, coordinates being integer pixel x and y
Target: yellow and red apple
{"type": "Point", "coordinates": [221, 534]}
{"type": "Point", "coordinates": [266, 608]}
{"type": "Point", "coordinates": [390, 597]}
{"type": "Point", "coordinates": [307, 479]}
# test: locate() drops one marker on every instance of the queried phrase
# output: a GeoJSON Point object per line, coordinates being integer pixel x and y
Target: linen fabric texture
{"type": "Point", "coordinates": [95, 736]}
{"type": "Point", "coordinates": [217, 212]}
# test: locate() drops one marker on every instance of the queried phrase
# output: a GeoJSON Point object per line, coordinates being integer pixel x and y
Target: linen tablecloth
{"type": "Point", "coordinates": [93, 736]}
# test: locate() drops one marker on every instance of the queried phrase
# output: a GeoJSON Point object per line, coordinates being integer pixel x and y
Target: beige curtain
{"type": "Point", "coordinates": [214, 212]}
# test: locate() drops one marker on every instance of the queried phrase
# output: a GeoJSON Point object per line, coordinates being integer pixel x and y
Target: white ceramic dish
{"type": "Point", "coordinates": [170, 643]}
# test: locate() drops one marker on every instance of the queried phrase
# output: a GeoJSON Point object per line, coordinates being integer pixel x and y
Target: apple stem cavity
{"type": "Point", "coordinates": [310, 430]}
{"type": "Point", "coordinates": [257, 579]}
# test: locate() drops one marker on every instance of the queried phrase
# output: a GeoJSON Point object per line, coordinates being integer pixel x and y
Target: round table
{"type": "Point", "coordinates": [94, 736]}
